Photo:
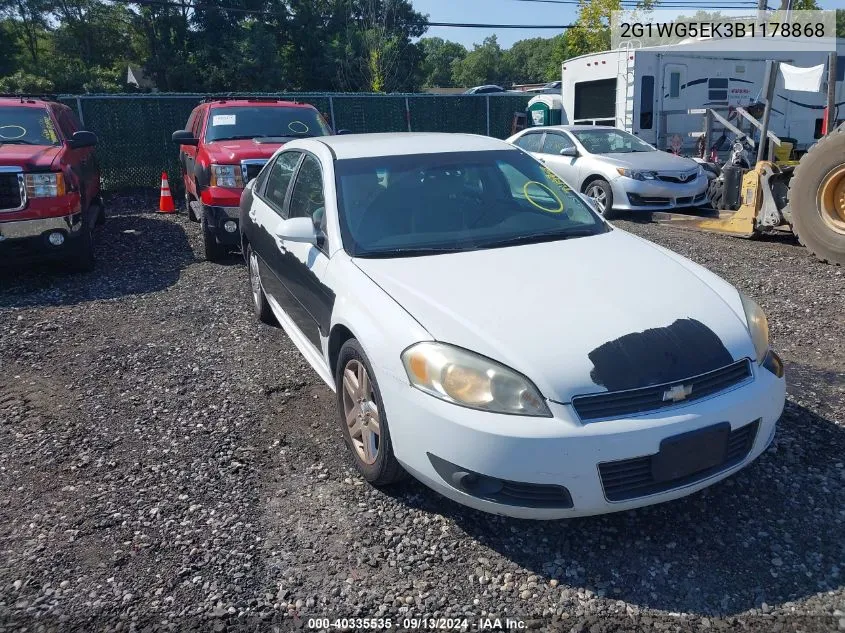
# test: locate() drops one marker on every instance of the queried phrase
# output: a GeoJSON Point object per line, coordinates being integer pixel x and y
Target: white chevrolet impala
{"type": "Point", "coordinates": [490, 334]}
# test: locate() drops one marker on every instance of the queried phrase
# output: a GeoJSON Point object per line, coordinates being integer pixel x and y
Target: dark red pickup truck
{"type": "Point", "coordinates": [223, 146]}
{"type": "Point", "coordinates": [49, 183]}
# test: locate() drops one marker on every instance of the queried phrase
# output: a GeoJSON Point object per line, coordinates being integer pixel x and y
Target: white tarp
{"type": "Point", "coordinates": [804, 79]}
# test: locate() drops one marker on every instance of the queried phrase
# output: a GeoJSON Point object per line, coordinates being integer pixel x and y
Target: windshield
{"type": "Point", "coordinates": [264, 121]}
{"type": "Point", "coordinates": [611, 141]}
{"type": "Point", "coordinates": [27, 126]}
{"type": "Point", "coordinates": [420, 204]}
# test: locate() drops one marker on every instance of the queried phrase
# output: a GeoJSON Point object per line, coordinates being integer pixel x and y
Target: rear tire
{"type": "Point", "coordinates": [716, 193]}
{"type": "Point", "coordinates": [817, 199]}
{"type": "Point", "coordinates": [259, 300]}
{"type": "Point", "coordinates": [367, 435]}
{"type": "Point", "coordinates": [600, 191]}
{"type": "Point", "coordinates": [213, 251]}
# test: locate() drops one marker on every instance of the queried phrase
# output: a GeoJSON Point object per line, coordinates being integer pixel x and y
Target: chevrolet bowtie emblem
{"type": "Point", "coordinates": [676, 393]}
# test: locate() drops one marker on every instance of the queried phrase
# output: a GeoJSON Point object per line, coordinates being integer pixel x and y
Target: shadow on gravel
{"type": "Point", "coordinates": [136, 254]}
{"type": "Point", "coordinates": [772, 533]}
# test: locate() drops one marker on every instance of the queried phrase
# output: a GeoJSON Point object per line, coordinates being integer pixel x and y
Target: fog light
{"type": "Point", "coordinates": [56, 238]}
{"type": "Point", "coordinates": [230, 226]}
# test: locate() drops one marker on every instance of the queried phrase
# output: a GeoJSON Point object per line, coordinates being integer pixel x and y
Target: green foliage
{"type": "Point", "coordinates": [24, 82]}
{"type": "Point", "coordinates": [439, 56]}
{"type": "Point", "coordinates": [485, 64]}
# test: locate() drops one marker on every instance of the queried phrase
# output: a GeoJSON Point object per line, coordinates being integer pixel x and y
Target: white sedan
{"type": "Point", "coordinates": [490, 334]}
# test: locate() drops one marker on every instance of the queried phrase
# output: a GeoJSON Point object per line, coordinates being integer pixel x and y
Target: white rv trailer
{"type": "Point", "coordinates": [648, 91]}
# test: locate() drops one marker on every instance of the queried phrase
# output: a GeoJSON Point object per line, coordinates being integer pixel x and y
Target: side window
{"type": "Point", "coordinates": [278, 180]}
{"type": "Point", "coordinates": [717, 89]}
{"type": "Point", "coordinates": [674, 85]}
{"type": "Point", "coordinates": [554, 143]}
{"type": "Point", "coordinates": [64, 122]}
{"type": "Point", "coordinates": [306, 201]}
{"type": "Point", "coordinates": [196, 128]}
{"type": "Point", "coordinates": [647, 102]}
{"type": "Point", "coordinates": [530, 142]}
{"type": "Point", "coordinates": [192, 120]}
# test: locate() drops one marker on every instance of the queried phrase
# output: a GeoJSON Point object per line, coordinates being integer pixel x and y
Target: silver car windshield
{"type": "Point", "coordinates": [611, 141]}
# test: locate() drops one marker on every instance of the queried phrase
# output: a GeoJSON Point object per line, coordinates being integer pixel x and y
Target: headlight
{"type": "Point", "coordinates": [227, 176]}
{"type": "Point", "coordinates": [44, 185]}
{"type": "Point", "coordinates": [462, 377]}
{"type": "Point", "coordinates": [758, 326]}
{"type": "Point", "coordinates": [637, 175]}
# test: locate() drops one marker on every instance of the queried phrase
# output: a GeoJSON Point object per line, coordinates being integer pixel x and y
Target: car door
{"type": "Point", "coordinates": [301, 266]}
{"type": "Point", "coordinates": [564, 166]}
{"type": "Point", "coordinates": [268, 209]}
{"type": "Point", "coordinates": [81, 160]}
{"type": "Point", "coordinates": [188, 153]}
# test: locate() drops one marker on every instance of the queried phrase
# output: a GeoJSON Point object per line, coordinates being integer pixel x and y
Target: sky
{"type": "Point", "coordinates": [510, 12]}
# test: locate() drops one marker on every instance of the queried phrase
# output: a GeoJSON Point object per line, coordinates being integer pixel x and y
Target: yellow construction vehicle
{"type": "Point", "coordinates": [806, 196]}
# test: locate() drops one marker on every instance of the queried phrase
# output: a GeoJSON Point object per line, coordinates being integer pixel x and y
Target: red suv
{"type": "Point", "coordinates": [49, 183]}
{"type": "Point", "coordinates": [225, 144]}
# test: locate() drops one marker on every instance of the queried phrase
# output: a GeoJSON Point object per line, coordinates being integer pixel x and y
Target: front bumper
{"type": "Point", "coordinates": [30, 238]}
{"type": "Point", "coordinates": [656, 195]}
{"type": "Point", "coordinates": [561, 452]}
{"type": "Point", "coordinates": [216, 218]}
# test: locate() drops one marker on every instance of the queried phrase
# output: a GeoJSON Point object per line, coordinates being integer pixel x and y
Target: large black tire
{"type": "Point", "coordinates": [607, 196]}
{"type": "Point", "coordinates": [385, 470]}
{"type": "Point", "coordinates": [83, 260]}
{"type": "Point", "coordinates": [259, 300]}
{"type": "Point", "coordinates": [213, 251]}
{"type": "Point", "coordinates": [716, 193]}
{"type": "Point", "coordinates": [825, 159]}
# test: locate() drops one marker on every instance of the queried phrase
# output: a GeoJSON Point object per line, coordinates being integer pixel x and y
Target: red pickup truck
{"type": "Point", "coordinates": [49, 183]}
{"type": "Point", "coordinates": [224, 145]}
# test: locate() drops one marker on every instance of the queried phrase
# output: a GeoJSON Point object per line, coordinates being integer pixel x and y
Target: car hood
{"type": "Point", "coordinates": [585, 315]}
{"type": "Point", "coordinates": [30, 157]}
{"type": "Point", "coordinates": [237, 150]}
{"type": "Point", "coordinates": [650, 161]}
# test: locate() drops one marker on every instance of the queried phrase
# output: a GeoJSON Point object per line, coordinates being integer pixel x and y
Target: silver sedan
{"type": "Point", "coordinates": [616, 169]}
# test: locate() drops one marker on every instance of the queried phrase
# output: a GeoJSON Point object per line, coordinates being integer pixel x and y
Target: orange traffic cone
{"type": "Point", "coordinates": [165, 203]}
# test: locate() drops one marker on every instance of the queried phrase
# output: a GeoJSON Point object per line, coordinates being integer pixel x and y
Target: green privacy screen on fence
{"type": "Point", "coordinates": [134, 130]}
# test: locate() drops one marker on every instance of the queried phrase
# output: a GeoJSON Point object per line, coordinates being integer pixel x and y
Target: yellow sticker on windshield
{"type": "Point", "coordinates": [533, 198]}
{"type": "Point", "coordinates": [556, 179]}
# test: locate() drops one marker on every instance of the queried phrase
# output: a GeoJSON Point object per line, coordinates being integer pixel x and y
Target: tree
{"type": "Point", "coordinates": [485, 64]}
{"type": "Point", "coordinates": [439, 56]}
{"type": "Point", "coordinates": [527, 61]}
{"type": "Point", "coordinates": [591, 32]}
{"type": "Point", "coordinates": [840, 23]}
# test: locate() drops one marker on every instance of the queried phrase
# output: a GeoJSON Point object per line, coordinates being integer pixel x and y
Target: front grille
{"type": "Point", "coordinates": [614, 404]}
{"type": "Point", "coordinates": [681, 178]}
{"type": "Point", "coordinates": [638, 200]}
{"type": "Point", "coordinates": [252, 169]}
{"type": "Point", "coordinates": [632, 478]}
{"type": "Point", "coordinates": [10, 192]}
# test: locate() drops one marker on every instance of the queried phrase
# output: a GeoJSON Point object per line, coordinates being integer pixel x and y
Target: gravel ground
{"type": "Point", "coordinates": [168, 462]}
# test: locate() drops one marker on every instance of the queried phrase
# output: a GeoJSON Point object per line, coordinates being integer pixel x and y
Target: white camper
{"type": "Point", "coordinates": [648, 91]}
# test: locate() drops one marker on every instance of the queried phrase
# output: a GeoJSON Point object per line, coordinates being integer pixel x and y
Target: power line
{"type": "Point", "coordinates": [661, 5]}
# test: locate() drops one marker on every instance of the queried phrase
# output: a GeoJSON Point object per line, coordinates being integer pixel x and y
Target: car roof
{"type": "Point", "coordinates": [230, 103]}
{"type": "Point", "coordinates": [402, 143]}
{"type": "Point", "coordinates": [572, 128]}
{"type": "Point", "coordinates": [26, 102]}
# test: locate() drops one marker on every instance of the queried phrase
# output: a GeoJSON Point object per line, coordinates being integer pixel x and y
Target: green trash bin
{"type": "Point", "coordinates": [545, 110]}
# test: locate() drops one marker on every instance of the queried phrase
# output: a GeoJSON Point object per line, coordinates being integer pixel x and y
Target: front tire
{"type": "Point", "coordinates": [362, 417]}
{"type": "Point", "coordinates": [213, 251]}
{"type": "Point", "coordinates": [599, 190]}
{"type": "Point", "coordinates": [84, 260]}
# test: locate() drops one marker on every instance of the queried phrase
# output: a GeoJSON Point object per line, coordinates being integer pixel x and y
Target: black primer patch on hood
{"type": "Point", "coordinates": [666, 354]}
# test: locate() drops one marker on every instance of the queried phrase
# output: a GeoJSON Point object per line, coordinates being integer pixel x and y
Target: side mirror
{"type": "Point", "coordinates": [569, 151]}
{"type": "Point", "coordinates": [339, 132]}
{"type": "Point", "coordinates": [184, 137]}
{"type": "Point", "coordinates": [82, 139]}
{"type": "Point", "coordinates": [297, 230]}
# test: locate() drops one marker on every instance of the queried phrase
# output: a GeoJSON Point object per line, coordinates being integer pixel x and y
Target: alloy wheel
{"type": "Point", "coordinates": [598, 194]}
{"type": "Point", "coordinates": [254, 279]}
{"type": "Point", "coordinates": [361, 412]}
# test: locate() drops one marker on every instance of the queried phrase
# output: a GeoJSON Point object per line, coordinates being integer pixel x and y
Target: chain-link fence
{"type": "Point", "coordinates": [134, 130]}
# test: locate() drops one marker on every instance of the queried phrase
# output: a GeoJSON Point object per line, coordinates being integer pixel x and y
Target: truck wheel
{"type": "Point", "coordinates": [101, 214]}
{"type": "Point", "coordinates": [716, 193]}
{"type": "Point", "coordinates": [213, 251]}
{"type": "Point", "coordinates": [817, 199]}
{"type": "Point", "coordinates": [83, 260]}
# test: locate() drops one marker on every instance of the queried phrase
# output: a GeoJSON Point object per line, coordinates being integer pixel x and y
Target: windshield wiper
{"type": "Point", "coordinates": [535, 238]}
{"type": "Point", "coordinates": [16, 141]}
{"type": "Point", "coordinates": [240, 137]}
{"type": "Point", "coordinates": [410, 252]}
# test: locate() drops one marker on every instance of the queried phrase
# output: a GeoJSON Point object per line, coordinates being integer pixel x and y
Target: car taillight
{"type": "Point", "coordinates": [45, 185]}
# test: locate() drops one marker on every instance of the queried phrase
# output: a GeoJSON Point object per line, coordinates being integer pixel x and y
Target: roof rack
{"type": "Point", "coordinates": [27, 96]}
{"type": "Point", "coordinates": [242, 98]}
